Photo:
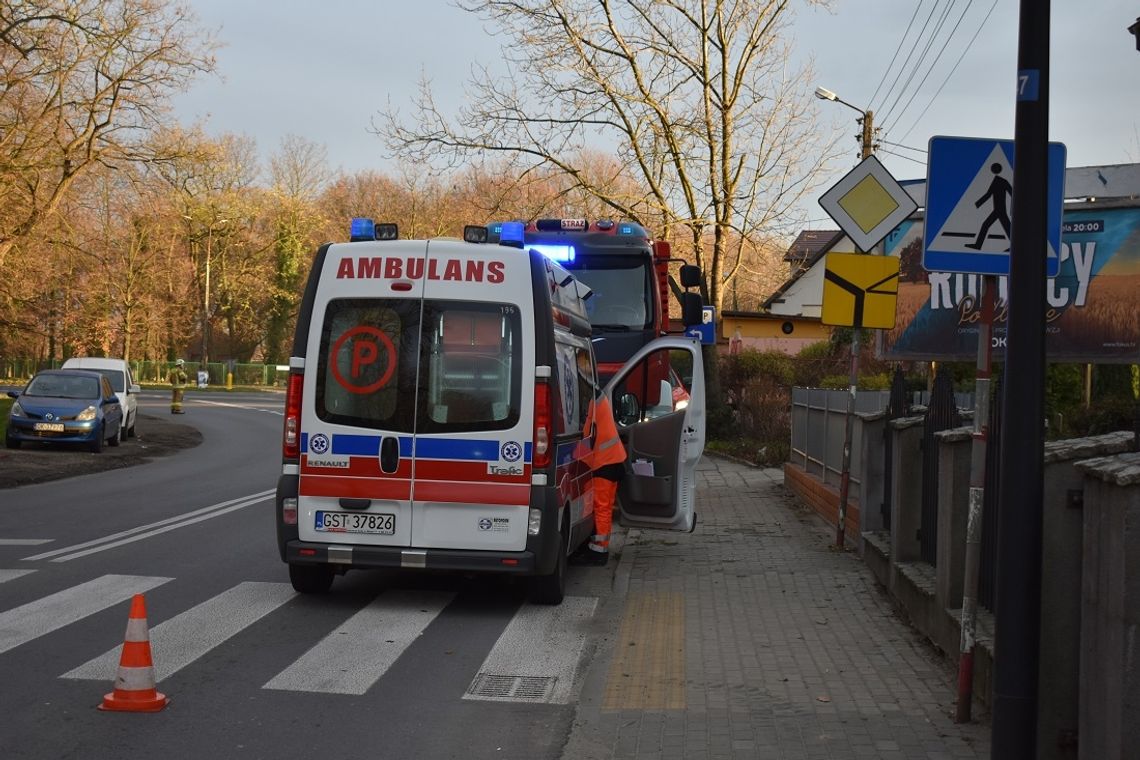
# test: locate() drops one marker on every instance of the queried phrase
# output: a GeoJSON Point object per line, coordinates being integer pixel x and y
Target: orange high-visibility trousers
{"type": "Point", "coordinates": [605, 491]}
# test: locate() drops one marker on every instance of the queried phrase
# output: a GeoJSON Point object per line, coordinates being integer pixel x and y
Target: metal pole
{"type": "Point", "coordinates": [1018, 604]}
{"type": "Point", "coordinates": [853, 377]}
{"type": "Point", "coordinates": [977, 496]}
{"type": "Point", "coordinates": [206, 301]}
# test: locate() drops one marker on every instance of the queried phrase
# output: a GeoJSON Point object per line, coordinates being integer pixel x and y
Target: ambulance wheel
{"type": "Point", "coordinates": [551, 589]}
{"type": "Point", "coordinates": [311, 579]}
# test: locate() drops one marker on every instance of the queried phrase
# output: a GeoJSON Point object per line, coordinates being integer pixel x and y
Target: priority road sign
{"type": "Point", "coordinates": [969, 193]}
{"type": "Point", "coordinates": [868, 203]}
{"type": "Point", "coordinates": [860, 290]}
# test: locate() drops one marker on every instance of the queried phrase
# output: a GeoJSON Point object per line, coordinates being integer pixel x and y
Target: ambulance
{"type": "Point", "coordinates": [435, 408]}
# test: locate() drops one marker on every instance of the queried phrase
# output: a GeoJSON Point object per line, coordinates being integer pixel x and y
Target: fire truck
{"type": "Point", "coordinates": [628, 273]}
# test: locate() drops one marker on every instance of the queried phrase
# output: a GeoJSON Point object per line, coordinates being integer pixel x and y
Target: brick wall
{"type": "Point", "coordinates": [822, 498]}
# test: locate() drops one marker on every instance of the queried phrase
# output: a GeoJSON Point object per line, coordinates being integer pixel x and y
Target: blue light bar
{"type": "Point", "coordinates": [556, 252]}
{"type": "Point", "coordinates": [362, 228]}
{"type": "Point", "coordinates": [625, 229]}
{"type": "Point", "coordinates": [511, 234]}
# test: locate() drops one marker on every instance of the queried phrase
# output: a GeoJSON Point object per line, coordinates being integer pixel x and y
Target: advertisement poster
{"type": "Point", "coordinates": [1092, 305]}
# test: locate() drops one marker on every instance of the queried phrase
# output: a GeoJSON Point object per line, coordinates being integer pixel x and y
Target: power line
{"type": "Point", "coordinates": [921, 58]}
{"type": "Point", "coordinates": [900, 145]}
{"type": "Point", "coordinates": [937, 58]}
{"type": "Point", "coordinates": [894, 57]}
{"type": "Point", "coordinates": [911, 51]}
{"type": "Point", "coordinates": [937, 92]}
{"type": "Point", "coordinates": [900, 155]}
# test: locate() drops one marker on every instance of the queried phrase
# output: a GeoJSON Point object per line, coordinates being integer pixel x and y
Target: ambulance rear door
{"type": "Point", "coordinates": [475, 405]}
{"type": "Point", "coordinates": [663, 433]}
{"type": "Point", "coordinates": [361, 371]}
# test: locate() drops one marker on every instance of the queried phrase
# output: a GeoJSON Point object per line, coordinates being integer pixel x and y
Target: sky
{"type": "Point", "coordinates": [324, 71]}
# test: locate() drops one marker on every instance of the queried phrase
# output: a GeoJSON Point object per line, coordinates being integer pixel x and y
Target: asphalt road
{"type": "Point", "coordinates": [388, 665]}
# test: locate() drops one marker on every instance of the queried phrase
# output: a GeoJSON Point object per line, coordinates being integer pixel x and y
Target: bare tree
{"type": "Point", "coordinates": [83, 82]}
{"type": "Point", "coordinates": [695, 98]}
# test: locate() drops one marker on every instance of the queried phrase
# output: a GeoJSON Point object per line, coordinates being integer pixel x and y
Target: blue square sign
{"type": "Point", "coordinates": [706, 330]}
{"type": "Point", "coordinates": [969, 194]}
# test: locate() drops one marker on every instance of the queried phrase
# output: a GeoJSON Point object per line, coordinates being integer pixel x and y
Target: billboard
{"type": "Point", "coordinates": [1092, 305]}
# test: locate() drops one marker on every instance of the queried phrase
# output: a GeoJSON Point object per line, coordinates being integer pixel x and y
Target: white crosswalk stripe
{"type": "Point", "coordinates": [537, 656]}
{"type": "Point", "coordinates": [11, 575]}
{"type": "Point", "coordinates": [355, 655]}
{"type": "Point", "coordinates": [32, 620]}
{"type": "Point", "coordinates": [184, 638]}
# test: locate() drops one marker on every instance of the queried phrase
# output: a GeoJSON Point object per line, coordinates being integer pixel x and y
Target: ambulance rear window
{"type": "Point", "coordinates": [471, 376]}
{"type": "Point", "coordinates": [369, 350]}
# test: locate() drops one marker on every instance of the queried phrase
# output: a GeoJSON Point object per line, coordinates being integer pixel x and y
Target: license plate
{"type": "Point", "coordinates": [49, 427]}
{"type": "Point", "coordinates": [355, 522]}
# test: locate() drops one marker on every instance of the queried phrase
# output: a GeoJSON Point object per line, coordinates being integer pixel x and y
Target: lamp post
{"type": "Point", "coordinates": [205, 306]}
{"type": "Point", "coordinates": [866, 119]}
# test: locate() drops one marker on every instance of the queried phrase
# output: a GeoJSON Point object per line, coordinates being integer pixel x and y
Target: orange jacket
{"type": "Point", "coordinates": [608, 448]}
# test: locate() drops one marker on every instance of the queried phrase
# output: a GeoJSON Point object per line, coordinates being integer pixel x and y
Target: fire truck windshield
{"type": "Point", "coordinates": [622, 297]}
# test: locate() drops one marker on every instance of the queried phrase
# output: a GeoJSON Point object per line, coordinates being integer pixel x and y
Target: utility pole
{"type": "Point", "coordinates": [867, 120]}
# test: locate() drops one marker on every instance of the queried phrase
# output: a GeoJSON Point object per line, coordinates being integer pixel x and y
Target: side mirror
{"type": "Point", "coordinates": [135, 389]}
{"type": "Point", "coordinates": [629, 410]}
{"type": "Point", "coordinates": [13, 394]}
{"type": "Point", "coordinates": [690, 276]}
{"type": "Point", "coordinates": [691, 308]}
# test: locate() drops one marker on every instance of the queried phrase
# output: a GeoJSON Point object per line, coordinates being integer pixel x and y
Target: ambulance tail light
{"type": "Point", "coordinates": [291, 443]}
{"type": "Point", "coordinates": [289, 510]}
{"type": "Point", "coordinates": [543, 423]}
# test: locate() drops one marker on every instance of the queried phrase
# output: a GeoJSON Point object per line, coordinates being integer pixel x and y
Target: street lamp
{"type": "Point", "coordinates": [205, 310]}
{"type": "Point", "coordinates": [866, 118]}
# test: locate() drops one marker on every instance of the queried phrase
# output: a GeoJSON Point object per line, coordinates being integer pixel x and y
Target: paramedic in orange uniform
{"type": "Point", "coordinates": [607, 460]}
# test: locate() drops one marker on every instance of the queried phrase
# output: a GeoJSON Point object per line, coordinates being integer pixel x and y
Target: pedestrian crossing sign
{"type": "Point", "coordinates": [969, 194]}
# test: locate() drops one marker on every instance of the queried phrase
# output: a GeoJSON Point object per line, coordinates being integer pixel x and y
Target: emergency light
{"type": "Point", "coordinates": [511, 234]}
{"type": "Point", "coordinates": [362, 228]}
{"type": "Point", "coordinates": [563, 254]}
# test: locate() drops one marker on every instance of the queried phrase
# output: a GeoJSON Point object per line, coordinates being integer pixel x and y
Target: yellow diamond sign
{"type": "Point", "coordinates": [860, 290]}
{"type": "Point", "coordinates": [868, 203]}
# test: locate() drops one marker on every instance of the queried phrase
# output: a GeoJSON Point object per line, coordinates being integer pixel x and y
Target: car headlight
{"type": "Point", "coordinates": [87, 414]}
{"type": "Point", "coordinates": [682, 404]}
{"type": "Point", "coordinates": [16, 410]}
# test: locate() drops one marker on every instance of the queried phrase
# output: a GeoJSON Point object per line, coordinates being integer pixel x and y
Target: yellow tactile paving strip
{"type": "Point", "coordinates": [648, 669]}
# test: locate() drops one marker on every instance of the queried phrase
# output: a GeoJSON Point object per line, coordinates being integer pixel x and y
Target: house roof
{"type": "Point", "coordinates": [808, 243]}
{"type": "Point", "coordinates": [827, 239]}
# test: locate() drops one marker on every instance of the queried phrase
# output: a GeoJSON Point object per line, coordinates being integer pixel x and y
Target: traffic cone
{"type": "Point", "coordinates": [134, 685]}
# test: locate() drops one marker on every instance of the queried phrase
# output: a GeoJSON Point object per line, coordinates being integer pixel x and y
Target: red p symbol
{"type": "Point", "coordinates": [363, 352]}
{"type": "Point", "coordinates": [366, 342]}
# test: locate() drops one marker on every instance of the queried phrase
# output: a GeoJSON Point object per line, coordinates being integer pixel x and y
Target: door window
{"type": "Point", "coordinates": [471, 367]}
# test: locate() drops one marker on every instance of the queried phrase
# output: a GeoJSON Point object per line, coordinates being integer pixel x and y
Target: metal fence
{"type": "Point", "coordinates": [818, 419]}
{"type": "Point", "coordinates": [15, 371]}
{"type": "Point", "coordinates": [941, 414]}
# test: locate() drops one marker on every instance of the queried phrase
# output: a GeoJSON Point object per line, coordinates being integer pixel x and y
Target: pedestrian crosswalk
{"type": "Point", "coordinates": [536, 658]}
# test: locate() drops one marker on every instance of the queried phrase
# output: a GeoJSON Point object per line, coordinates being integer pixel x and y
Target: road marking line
{"type": "Point", "coordinates": [648, 669]}
{"type": "Point", "coordinates": [11, 575]}
{"type": "Point", "coordinates": [540, 642]}
{"type": "Point", "coordinates": [278, 412]}
{"type": "Point", "coordinates": [25, 541]}
{"type": "Point", "coordinates": [355, 655]}
{"type": "Point", "coordinates": [153, 529]}
{"type": "Point", "coordinates": [184, 638]}
{"type": "Point", "coordinates": [22, 624]}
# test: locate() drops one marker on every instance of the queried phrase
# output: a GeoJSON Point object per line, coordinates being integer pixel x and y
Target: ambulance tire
{"type": "Point", "coordinates": [551, 589]}
{"type": "Point", "coordinates": [311, 579]}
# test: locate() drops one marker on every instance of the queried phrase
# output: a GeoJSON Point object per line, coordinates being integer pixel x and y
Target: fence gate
{"type": "Point", "coordinates": [942, 414]}
{"type": "Point", "coordinates": [897, 407]}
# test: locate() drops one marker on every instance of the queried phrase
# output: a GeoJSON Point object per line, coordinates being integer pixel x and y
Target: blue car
{"type": "Point", "coordinates": [65, 406]}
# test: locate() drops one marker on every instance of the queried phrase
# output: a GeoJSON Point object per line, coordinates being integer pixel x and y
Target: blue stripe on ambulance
{"type": "Point", "coordinates": [459, 449]}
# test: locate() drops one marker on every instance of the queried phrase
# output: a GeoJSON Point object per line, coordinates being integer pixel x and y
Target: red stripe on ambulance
{"type": "Point", "coordinates": [450, 492]}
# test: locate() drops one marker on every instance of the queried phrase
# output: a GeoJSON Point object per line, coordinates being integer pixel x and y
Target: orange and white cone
{"type": "Point", "coordinates": [134, 685]}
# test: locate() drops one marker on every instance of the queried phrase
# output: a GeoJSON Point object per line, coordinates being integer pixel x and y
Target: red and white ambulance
{"type": "Point", "coordinates": [434, 412]}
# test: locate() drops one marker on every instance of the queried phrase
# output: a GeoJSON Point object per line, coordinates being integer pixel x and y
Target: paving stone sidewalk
{"type": "Point", "coordinates": [759, 640]}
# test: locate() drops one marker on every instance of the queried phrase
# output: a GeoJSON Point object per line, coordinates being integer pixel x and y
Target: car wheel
{"type": "Point", "coordinates": [551, 589]}
{"type": "Point", "coordinates": [12, 443]}
{"type": "Point", "coordinates": [97, 444]}
{"type": "Point", "coordinates": [117, 437]}
{"type": "Point", "coordinates": [311, 579]}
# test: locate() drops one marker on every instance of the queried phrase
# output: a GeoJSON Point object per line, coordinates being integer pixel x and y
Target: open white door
{"type": "Point", "coordinates": [658, 399]}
